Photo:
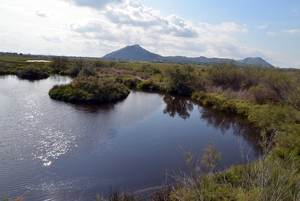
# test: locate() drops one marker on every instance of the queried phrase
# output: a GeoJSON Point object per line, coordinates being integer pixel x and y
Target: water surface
{"type": "Point", "coordinates": [51, 150]}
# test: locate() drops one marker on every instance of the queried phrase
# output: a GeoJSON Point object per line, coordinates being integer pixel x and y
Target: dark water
{"type": "Point", "coordinates": [50, 150]}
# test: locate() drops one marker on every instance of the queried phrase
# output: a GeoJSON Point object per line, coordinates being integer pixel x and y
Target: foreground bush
{"type": "Point", "coordinates": [264, 180]}
{"type": "Point", "coordinates": [90, 90]}
{"type": "Point", "coordinates": [7, 198]}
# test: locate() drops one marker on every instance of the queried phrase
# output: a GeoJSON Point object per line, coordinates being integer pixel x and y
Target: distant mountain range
{"type": "Point", "coordinates": [137, 53]}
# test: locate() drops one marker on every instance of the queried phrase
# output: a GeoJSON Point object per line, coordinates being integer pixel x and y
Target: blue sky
{"type": "Point", "coordinates": [213, 28]}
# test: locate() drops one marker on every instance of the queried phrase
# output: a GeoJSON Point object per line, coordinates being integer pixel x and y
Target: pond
{"type": "Point", "coordinates": [51, 150]}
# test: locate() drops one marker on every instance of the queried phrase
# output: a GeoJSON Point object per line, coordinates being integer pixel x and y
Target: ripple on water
{"type": "Point", "coordinates": [52, 144]}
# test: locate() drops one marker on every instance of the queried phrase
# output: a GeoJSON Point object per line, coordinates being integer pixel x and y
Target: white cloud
{"type": "Point", "coordinates": [86, 25]}
{"type": "Point", "coordinates": [271, 33]}
{"type": "Point", "coordinates": [136, 15]}
{"type": "Point", "coordinates": [262, 26]}
{"type": "Point", "coordinates": [41, 13]}
{"type": "Point", "coordinates": [128, 22]}
{"type": "Point", "coordinates": [131, 23]}
{"type": "Point", "coordinates": [7, 35]}
{"type": "Point", "coordinates": [176, 20]}
{"type": "Point", "coordinates": [291, 31]}
{"type": "Point", "coordinates": [227, 27]}
{"type": "Point", "coordinates": [55, 39]}
{"type": "Point", "coordinates": [12, 8]}
{"type": "Point", "coordinates": [95, 4]}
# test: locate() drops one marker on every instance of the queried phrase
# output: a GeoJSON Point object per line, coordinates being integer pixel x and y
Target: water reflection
{"type": "Point", "coordinates": [182, 106]}
{"type": "Point", "coordinates": [224, 122]}
{"type": "Point", "coordinates": [94, 108]}
{"type": "Point", "coordinates": [59, 78]}
{"type": "Point", "coordinates": [177, 105]}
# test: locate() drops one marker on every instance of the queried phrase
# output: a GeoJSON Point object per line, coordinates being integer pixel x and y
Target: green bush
{"type": "Point", "coordinates": [129, 81]}
{"type": "Point", "coordinates": [87, 70]}
{"type": "Point", "coordinates": [226, 75]}
{"type": "Point", "coordinates": [90, 90]}
{"type": "Point", "coordinates": [4, 68]}
{"type": "Point", "coordinates": [58, 64]}
{"type": "Point", "coordinates": [148, 68]}
{"type": "Point", "coordinates": [269, 178]}
{"type": "Point", "coordinates": [73, 70]}
{"type": "Point", "coordinates": [180, 80]}
{"type": "Point", "coordinates": [33, 72]}
{"type": "Point", "coordinates": [100, 63]}
{"type": "Point", "coordinates": [147, 84]}
{"type": "Point", "coordinates": [262, 94]}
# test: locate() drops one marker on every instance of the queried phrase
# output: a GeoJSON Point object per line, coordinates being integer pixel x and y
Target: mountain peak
{"type": "Point", "coordinates": [256, 61]}
{"type": "Point", "coordinates": [133, 52]}
{"type": "Point", "coordinates": [137, 53]}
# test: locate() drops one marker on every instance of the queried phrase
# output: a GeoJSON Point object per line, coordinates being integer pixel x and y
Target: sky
{"type": "Point", "coordinates": [233, 29]}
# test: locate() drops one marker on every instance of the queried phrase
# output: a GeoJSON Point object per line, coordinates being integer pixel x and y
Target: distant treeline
{"type": "Point", "coordinates": [15, 54]}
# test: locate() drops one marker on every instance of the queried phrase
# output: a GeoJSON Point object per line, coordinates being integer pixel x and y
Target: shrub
{"type": "Point", "coordinates": [90, 90]}
{"type": "Point", "coordinates": [227, 75]}
{"type": "Point", "coordinates": [32, 72]}
{"type": "Point", "coordinates": [74, 70]}
{"type": "Point", "coordinates": [129, 81]}
{"type": "Point", "coordinates": [87, 70]}
{"type": "Point", "coordinates": [179, 80]}
{"type": "Point", "coordinates": [99, 63]}
{"type": "Point", "coordinates": [147, 84]}
{"type": "Point", "coordinates": [148, 69]}
{"type": "Point", "coordinates": [269, 178]}
{"type": "Point", "coordinates": [263, 95]}
{"type": "Point", "coordinates": [58, 64]}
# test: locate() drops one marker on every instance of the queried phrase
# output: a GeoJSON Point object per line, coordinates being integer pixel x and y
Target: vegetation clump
{"type": "Point", "coordinates": [58, 64]}
{"type": "Point", "coordinates": [90, 89]}
{"type": "Point", "coordinates": [33, 73]}
{"type": "Point", "coordinates": [269, 178]}
{"type": "Point", "coordinates": [180, 80]}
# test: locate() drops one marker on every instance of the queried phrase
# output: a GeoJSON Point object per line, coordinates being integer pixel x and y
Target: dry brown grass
{"type": "Point", "coordinates": [243, 94]}
{"type": "Point", "coordinates": [115, 71]}
{"type": "Point", "coordinates": [20, 198]}
{"type": "Point", "coordinates": [118, 72]}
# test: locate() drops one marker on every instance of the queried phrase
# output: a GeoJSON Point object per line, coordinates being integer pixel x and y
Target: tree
{"type": "Point", "coordinates": [286, 86]}
{"type": "Point", "coordinates": [58, 64]}
{"type": "Point", "coordinates": [227, 75]}
{"type": "Point", "coordinates": [87, 70]}
{"type": "Point", "coordinates": [180, 80]}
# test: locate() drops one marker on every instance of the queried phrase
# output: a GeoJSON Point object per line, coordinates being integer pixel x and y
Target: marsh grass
{"type": "Point", "coordinates": [116, 195]}
{"type": "Point", "coordinates": [8, 198]}
{"type": "Point", "coordinates": [268, 178]}
{"type": "Point", "coordinates": [33, 72]}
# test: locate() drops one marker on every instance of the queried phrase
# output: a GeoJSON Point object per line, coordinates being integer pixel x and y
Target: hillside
{"type": "Point", "coordinates": [255, 60]}
{"type": "Point", "coordinates": [137, 53]}
{"type": "Point", "coordinates": [134, 52]}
